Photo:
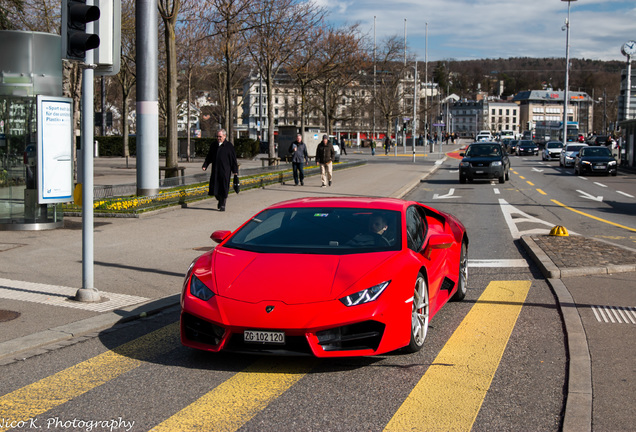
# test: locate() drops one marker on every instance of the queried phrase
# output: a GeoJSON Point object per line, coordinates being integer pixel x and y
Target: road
{"type": "Point", "coordinates": [138, 377]}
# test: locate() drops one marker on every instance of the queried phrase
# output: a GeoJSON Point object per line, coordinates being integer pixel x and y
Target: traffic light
{"type": "Point", "coordinates": [404, 127]}
{"type": "Point", "coordinates": [75, 40]}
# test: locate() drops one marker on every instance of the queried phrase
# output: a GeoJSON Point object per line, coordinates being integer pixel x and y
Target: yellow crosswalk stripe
{"type": "Point", "coordinates": [50, 392]}
{"type": "Point", "coordinates": [450, 394]}
{"type": "Point", "coordinates": [233, 403]}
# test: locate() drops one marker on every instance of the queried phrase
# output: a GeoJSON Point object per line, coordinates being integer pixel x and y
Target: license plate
{"type": "Point", "coordinates": [600, 167]}
{"type": "Point", "coordinates": [264, 337]}
{"type": "Point", "coordinates": [479, 172]}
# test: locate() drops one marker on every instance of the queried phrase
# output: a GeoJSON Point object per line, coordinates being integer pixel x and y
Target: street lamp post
{"type": "Point", "coordinates": [567, 74]}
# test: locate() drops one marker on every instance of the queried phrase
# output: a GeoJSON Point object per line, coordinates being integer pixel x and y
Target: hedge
{"type": "Point", "coordinates": [114, 146]}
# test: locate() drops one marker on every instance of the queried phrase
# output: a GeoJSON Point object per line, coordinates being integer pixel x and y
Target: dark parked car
{"type": "Point", "coordinates": [512, 146]}
{"type": "Point", "coordinates": [527, 147]}
{"type": "Point", "coordinates": [485, 160]}
{"type": "Point", "coordinates": [595, 160]}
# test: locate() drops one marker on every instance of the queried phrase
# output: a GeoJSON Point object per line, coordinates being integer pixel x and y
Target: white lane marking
{"type": "Point", "coordinates": [448, 195]}
{"type": "Point", "coordinates": [625, 194]}
{"type": "Point", "coordinates": [537, 170]}
{"type": "Point", "coordinates": [583, 178]}
{"type": "Point", "coordinates": [589, 196]}
{"type": "Point", "coordinates": [496, 191]}
{"type": "Point", "coordinates": [439, 162]}
{"type": "Point", "coordinates": [54, 295]}
{"type": "Point", "coordinates": [519, 217]}
{"type": "Point", "coordinates": [498, 263]}
{"type": "Point", "coordinates": [600, 184]}
{"type": "Point", "coordinates": [615, 314]}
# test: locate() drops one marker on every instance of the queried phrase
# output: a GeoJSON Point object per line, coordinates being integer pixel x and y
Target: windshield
{"type": "Point", "coordinates": [483, 150]}
{"type": "Point", "coordinates": [574, 148]}
{"type": "Point", "coordinates": [595, 151]}
{"type": "Point", "coordinates": [555, 145]}
{"type": "Point", "coordinates": [333, 231]}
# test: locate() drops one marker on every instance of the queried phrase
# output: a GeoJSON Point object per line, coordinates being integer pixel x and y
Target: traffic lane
{"type": "Point", "coordinates": [330, 395]}
{"type": "Point", "coordinates": [612, 345]}
{"type": "Point", "coordinates": [557, 199]}
{"type": "Point", "coordinates": [476, 205]}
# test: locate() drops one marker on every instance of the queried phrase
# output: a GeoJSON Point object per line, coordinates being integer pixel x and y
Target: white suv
{"type": "Point", "coordinates": [484, 135]}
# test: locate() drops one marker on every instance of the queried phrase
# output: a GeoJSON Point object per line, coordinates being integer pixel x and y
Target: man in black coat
{"type": "Point", "coordinates": [224, 164]}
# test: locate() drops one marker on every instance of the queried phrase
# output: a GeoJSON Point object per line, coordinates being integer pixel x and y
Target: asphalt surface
{"type": "Point", "coordinates": [139, 266]}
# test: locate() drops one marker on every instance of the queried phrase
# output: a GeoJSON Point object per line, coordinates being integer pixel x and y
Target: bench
{"type": "Point", "coordinates": [270, 161]}
{"type": "Point", "coordinates": [172, 170]}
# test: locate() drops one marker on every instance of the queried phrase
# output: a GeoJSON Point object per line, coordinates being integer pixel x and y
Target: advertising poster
{"type": "Point", "coordinates": [55, 156]}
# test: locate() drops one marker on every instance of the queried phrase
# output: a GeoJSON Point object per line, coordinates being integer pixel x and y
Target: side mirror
{"type": "Point", "coordinates": [462, 154]}
{"type": "Point", "coordinates": [438, 241]}
{"type": "Point", "coordinates": [219, 236]}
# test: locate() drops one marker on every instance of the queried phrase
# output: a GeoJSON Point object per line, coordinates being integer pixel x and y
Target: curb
{"type": "Point", "coordinates": [578, 404]}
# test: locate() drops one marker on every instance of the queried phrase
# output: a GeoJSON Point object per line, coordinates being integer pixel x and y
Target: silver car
{"type": "Point", "coordinates": [569, 153]}
{"type": "Point", "coordinates": [552, 150]}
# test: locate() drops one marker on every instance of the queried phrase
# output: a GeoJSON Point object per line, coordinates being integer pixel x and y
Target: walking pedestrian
{"type": "Point", "coordinates": [224, 164]}
{"type": "Point", "coordinates": [324, 157]}
{"type": "Point", "coordinates": [298, 150]}
{"type": "Point", "coordinates": [372, 147]}
{"type": "Point", "coordinates": [387, 145]}
{"type": "Point", "coordinates": [343, 145]}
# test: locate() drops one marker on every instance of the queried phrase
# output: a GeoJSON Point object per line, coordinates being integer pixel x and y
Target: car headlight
{"type": "Point", "coordinates": [586, 162]}
{"type": "Point", "coordinates": [365, 296]}
{"type": "Point", "coordinates": [612, 163]}
{"type": "Point", "coordinates": [496, 163]}
{"type": "Point", "coordinates": [199, 289]}
{"type": "Point", "coordinates": [464, 164]}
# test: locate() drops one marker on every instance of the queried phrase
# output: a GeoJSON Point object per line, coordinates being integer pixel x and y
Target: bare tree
{"type": "Point", "coordinates": [390, 69]}
{"type": "Point", "coordinates": [341, 57]}
{"type": "Point", "coordinates": [273, 37]}
{"type": "Point", "coordinates": [127, 76]}
{"type": "Point", "coordinates": [169, 11]}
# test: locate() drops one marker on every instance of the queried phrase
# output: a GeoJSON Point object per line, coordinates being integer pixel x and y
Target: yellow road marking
{"type": "Point", "coordinates": [594, 217]}
{"type": "Point", "coordinates": [530, 183]}
{"type": "Point", "coordinates": [450, 394]}
{"type": "Point", "coordinates": [541, 192]}
{"type": "Point", "coordinates": [522, 177]}
{"type": "Point", "coordinates": [233, 403]}
{"type": "Point", "coordinates": [50, 392]}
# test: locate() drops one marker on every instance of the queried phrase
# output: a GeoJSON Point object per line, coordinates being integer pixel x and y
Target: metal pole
{"type": "Point", "coordinates": [426, 84]}
{"type": "Point", "coordinates": [628, 91]}
{"type": "Point", "coordinates": [87, 293]}
{"type": "Point", "coordinates": [403, 91]}
{"type": "Point", "coordinates": [374, 91]}
{"type": "Point", "coordinates": [147, 98]}
{"type": "Point", "coordinates": [567, 76]}
{"type": "Point", "coordinates": [414, 108]}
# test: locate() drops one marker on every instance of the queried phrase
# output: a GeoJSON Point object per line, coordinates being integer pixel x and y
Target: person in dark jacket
{"type": "Point", "coordinates": [224, 164]}
{"type": "Point", "coordinates": [325, 155]}
{"type": "Point", "coordinates": [298, 150]}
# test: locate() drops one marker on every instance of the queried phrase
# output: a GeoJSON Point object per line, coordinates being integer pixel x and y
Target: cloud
{"type": "Point", "coordinates": [467, 29]}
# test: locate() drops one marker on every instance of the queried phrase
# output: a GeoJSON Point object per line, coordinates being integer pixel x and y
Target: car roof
{"type": "Point", "coordinates": [485, 143]}
{"type": "Point", "coordinates": [345, 202]}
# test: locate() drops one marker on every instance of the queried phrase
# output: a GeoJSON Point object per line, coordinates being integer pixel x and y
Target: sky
{"type": "Point", "coordinates": [480, 29]}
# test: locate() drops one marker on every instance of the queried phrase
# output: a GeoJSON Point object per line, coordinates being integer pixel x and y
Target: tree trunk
{"type": "Point", "coordinates": [171, 95]}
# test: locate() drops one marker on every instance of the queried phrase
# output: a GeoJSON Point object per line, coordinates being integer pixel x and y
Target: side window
{"type": "Point", "coordinates": [415, 229]}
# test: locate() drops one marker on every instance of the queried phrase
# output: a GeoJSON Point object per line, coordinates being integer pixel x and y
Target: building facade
{"type": "Point", "coordinates": [547, 106]}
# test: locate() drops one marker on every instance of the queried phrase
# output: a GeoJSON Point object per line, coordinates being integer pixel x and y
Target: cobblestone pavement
{"type": "Point", "coordinates": [578, 251]}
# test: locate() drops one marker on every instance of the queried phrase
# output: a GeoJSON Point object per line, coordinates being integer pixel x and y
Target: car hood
{"type": "Point", "coordinates": [483, 159]}
{"type": "Point", "coordinates": [290, 278]}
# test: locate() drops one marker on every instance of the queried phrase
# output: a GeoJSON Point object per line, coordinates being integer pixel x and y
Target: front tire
{"type": "Point", "coordinates": [462, 279]}
{"type": "Point", "coordinates": [419, 315]}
